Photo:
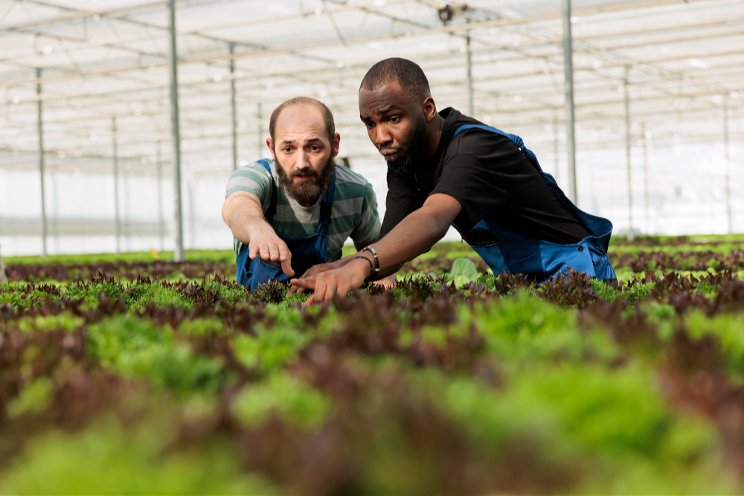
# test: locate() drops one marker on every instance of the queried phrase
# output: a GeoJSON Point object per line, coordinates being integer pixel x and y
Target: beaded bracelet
{"type": "Point", "coordinates": [376, 268]}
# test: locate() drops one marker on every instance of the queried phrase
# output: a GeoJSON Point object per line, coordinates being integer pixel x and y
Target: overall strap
{"type": "Point", "coordinates": [269, 214]}
{"type": "Point", "coordinates": [326, 204]}
{"type": "Point", "coordinates": [511, 137]}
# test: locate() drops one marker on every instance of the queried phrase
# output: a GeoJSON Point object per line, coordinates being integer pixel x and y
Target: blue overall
{"type": "Point", "coordinates": [306, 250]}
{"type": "Point", "coordinates": [505, 250]}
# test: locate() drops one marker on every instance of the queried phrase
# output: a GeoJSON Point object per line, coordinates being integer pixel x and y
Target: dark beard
{"type": "Point", "coordinates": [404, 165]}
{"type": "Point", "coordinates": [306, 193]}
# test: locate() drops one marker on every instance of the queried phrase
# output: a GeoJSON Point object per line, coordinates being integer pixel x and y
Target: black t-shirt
{"type": "Point", "coordinates": [491, 178]}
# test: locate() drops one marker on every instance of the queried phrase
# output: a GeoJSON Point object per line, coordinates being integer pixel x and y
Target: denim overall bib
{"type": "Point", "coordinates": [306, 250]}
{"type": "Point", "coordinates": [505, 250]}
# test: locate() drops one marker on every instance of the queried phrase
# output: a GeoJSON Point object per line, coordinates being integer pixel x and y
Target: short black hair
{"type": "Point", "coordinates": [408, 74]}
{"type": "Point", "coordinates": [304, 100]}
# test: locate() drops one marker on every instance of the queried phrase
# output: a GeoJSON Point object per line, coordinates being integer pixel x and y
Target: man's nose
{"type": "Point", "coordinates": [381, 136]}
{"type": "Point", "coordinates": [302, 160]}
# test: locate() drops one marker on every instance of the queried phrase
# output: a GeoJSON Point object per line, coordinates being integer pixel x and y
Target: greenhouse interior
{"type": "Point", "coordinates": [516, 267]}
{"type": "Point", "coordinates": [641, 121]}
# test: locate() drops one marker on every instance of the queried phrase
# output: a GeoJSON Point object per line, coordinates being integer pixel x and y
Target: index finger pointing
{"type": "Point", "coordinates": [287, 267]}
{"type": "Point", "coordinates": [308, 283]}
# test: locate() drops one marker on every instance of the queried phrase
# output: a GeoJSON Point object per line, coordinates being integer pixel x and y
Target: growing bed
{"type": "Point", "coordinates": [137, 375]}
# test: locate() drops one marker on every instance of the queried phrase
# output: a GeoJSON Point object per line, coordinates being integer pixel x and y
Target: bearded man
{"type": "Point", "coordinates": [297, 209]}
{"type": "Point", "coordinates": [448, 169]}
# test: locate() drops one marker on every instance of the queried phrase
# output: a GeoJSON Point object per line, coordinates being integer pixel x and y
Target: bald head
{"type": "Point", "coordinates": [407, 74]}
{"type": "Point", "coordinates": [325, 112]}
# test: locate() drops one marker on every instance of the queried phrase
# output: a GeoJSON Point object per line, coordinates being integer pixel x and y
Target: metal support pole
{"type": "Point", "coordinates": [178, 254]}
{"type": "Point", "coordinates": [161, 216]}
{"type": "Point", "coordinates": [192, 211]}
{"type": "Point", "coordinates": [233, 108]}
{"type": "Point", "coordinates": [115, 156]}
{"type": "Point", "coordinates": [469, 62]}
{"type": "Point", "coordinates": [42, 163]}
{"type": "Point", "coordinates": [127, 218]}
{"type": "Point", "coordinates": [556, 147]}
{"type": "Point", "coordinates": [646, 182]}
{"type": "Point", "coordinates": [570, 109]}
{"type": "Point", "coordinates": [259, 130]}
{"type": "Point", "coordinates": [54, 220]}
{"type": "Point", "coordinates": [627, 153]}
{"type": "Point", "coordinates": [727, 154]}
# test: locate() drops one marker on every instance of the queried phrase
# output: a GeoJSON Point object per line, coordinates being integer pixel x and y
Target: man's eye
{"type": "Point", "coordinates": [395, 119]}
{"type": "Point", "coordinates": [369, 125]}
{"type": "Point", "coordinates": [286, 149]}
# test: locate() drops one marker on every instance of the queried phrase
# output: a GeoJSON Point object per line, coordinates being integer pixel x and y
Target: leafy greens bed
{"type": "Point", "coordinates": [155, 377]}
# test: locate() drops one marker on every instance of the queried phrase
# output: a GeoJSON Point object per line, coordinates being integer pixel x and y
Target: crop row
{"type": "Point", "coordinates": [635, 262]}
{"type": "Point", "coordinates": [487, 384]}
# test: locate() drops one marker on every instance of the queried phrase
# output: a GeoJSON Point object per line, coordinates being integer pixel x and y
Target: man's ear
{"type": "Point", "coordinates": [430, 109]}
{"type": "Point", "coordinates": [270, 144]}
{"type": "Point", "coordinates": [334, 144]}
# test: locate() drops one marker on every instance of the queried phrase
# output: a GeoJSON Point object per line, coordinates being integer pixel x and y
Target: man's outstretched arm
{"type": "Point", "coordinates": [414, 235]}
{"type": "Point", "coordinates": [244, 216]}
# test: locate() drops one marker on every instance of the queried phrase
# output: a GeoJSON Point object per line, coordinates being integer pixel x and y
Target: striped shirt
{"type": "Point", "coordinates": [354, 213]}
